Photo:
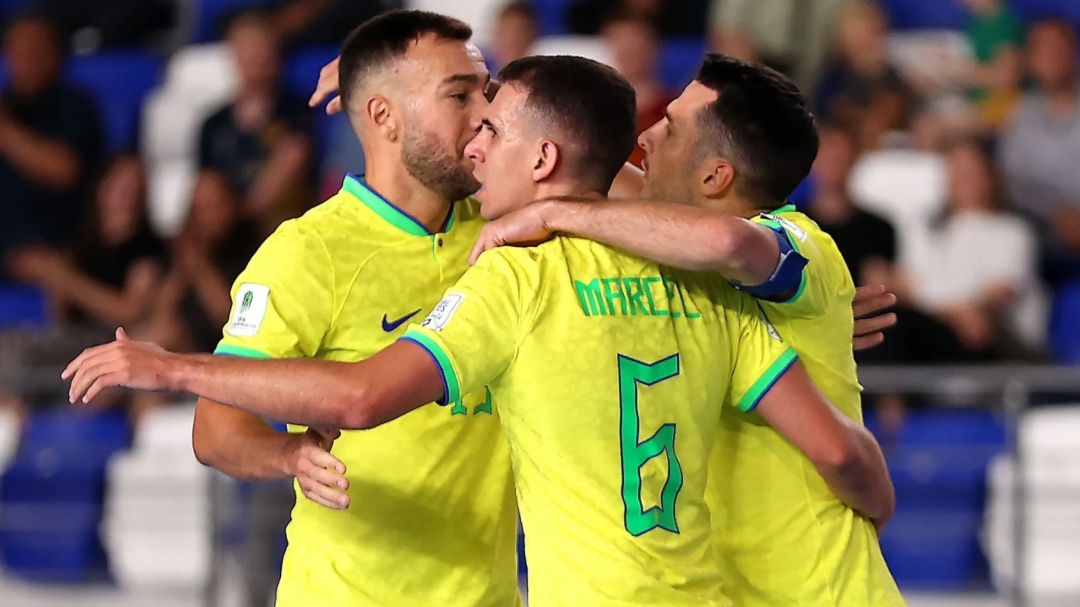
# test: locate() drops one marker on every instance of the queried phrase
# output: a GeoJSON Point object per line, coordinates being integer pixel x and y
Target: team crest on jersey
{"type": "Point", "coordinates": [443, 312]}
{"type": "Point", "coordinates": [249, 309]}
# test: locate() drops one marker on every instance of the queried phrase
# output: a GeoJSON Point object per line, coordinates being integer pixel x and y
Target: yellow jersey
{"type": "Point", "coordinates": [609, 373]}
{"type": "Point", "coordinates": [784, 539]}
{"type": "Point", "coordinates": [432, 519]}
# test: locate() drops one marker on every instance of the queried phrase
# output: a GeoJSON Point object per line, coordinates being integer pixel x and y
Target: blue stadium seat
{"type": "Point", "coordinates": [679, 62]}
{"type": "Point", "coordinates": [299, 77]}
{"type": "Point", "coordinates": [21, 306]}
{"type": "Point", "coordinates": [51, 497]}
{"type": "Point", "coordinates": [301, 71]}
{"type": "Point", "coordinates": [926, 14]}
{"type": "Point", "coordinates": [119, 82]}
{"type": "Point", "coordinates": [209, 13]}
{"type": "Point", "coordinates": [1065, 325]}
{"type": "Point", "coordinates": [552, 16]}
{"type": "Point", "coordinates": [1038, 9]}
{"type": "Point", "coordinates": [929, 550]}
{"type": "Point", "coordinates": [938, 466]}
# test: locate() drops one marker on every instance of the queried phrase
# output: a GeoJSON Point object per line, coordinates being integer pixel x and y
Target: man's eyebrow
{"type": "Point", "coordinates": [467, 78]}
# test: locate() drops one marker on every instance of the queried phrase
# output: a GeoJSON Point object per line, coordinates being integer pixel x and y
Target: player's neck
{"type": "Point", "coordinates": [731, 205]}
{"type": "Point", "coordinates": [394, 183]}
{"type": "Point", "coordinates": [563, 190]}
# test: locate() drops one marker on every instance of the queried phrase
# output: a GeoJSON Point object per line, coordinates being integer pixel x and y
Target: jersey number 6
{"type": "Point", "coordinates": [636, 454]}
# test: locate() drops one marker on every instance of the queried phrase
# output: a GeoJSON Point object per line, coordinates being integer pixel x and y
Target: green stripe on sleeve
{"type": "Point", "coordinates": [229, 350]}
{"type": "Point", "coordinates": [451, 385]}
{"type": "Point", "coordinates": [766, 381]}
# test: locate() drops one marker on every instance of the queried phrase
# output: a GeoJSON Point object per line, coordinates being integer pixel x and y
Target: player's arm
{"type": "Point", "coordinates": [676, 235]}
{"type": "Point", "coordinates": [845, 454]}
{"type": "Point", "coordinates": [767, 378]}
{"type": "Point", "coordinates": [433, 363]}
{"type": "Point", "coordinates": [315, 393]}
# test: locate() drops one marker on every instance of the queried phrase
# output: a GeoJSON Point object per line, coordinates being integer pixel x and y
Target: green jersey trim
{"type": "Point", "coordinates": [393, 215]}
{"type": "Point", "coordinates": [765, 383]}
{"type": "Point", "coordinates": [242, 352]}
{"type": "Point", "coordinates": [451, 386]}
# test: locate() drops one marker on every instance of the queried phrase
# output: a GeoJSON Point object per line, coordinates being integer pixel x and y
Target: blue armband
{"type": "Point", "coordinates": [786, 280]}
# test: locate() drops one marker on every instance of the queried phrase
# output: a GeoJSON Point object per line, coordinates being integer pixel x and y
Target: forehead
{"type": "Point", "coordinates": [694, 97]}
{"type": "Point", "coordinates": [506, 103]}
{"type": "Point", "coordinates": [440, 58]}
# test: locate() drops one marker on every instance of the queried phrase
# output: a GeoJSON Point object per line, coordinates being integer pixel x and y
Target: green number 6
{"type": "Point", "coordinates": [636, 454]}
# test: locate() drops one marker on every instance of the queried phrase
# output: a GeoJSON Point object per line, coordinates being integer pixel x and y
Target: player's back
{"type": "Point", "coordinates": [431, 521]}
{"type": "Point", "coordinates": [610, 404]}
{"type": "Point", "coordinates": [783, 536]}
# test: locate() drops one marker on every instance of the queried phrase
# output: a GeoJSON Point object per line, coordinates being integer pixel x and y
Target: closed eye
{"type": "Point", "coordinates": [490, 128]}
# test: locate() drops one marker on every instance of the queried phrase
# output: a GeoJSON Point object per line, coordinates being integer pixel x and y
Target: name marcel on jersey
{"type": "Point", "coordinates": [632, 296]}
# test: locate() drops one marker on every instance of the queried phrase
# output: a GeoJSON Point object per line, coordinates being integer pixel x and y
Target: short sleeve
{"type": "Point", "coordinates": [474, 332]}
{"type": "Point", "coordinates": [811, 290]}
{"type": "Point", "coordinates": [283, 301]}
{"type": "Point", "coordinates": [761, 358]}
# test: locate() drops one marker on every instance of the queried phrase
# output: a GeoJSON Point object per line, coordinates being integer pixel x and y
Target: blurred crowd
{"type": "Point", "coordinates": [945, 169]}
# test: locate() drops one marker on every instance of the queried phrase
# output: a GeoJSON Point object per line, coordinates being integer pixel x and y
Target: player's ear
{"type": "Point", "coordinates": [716, 176]}
{"type": "Point", "coordinates": [547, 158]}
{"type": "Point", "coordinates": [380, 113]}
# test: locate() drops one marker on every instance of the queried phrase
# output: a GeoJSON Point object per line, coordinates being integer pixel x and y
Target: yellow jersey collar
{"type": "Point", "coordinates": [787, 208]}
{"type": "Point", "coordinates": [393, 215]}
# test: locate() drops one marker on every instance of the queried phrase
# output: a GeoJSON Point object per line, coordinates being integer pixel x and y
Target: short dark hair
{"type": "Point", "coordinates": [761, 124]}
{"type": "Point", "coordinates": [588, 101]}
{"type": "Point", "coordinates": [385, 39]}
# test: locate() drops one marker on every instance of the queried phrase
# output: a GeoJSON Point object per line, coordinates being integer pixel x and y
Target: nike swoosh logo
{"type": "Point", "coordinates": [388, 325]}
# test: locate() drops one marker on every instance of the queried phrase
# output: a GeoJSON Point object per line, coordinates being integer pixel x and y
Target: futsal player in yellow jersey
{"type": "Point", "coordinates": [431, 518]}
{"type": "Point", "coordinates": [783, 537]}
{"type": "Point", "coordinates": [609, 372]}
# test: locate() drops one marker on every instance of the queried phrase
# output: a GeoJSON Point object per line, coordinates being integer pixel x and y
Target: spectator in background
{"type": "Point", "coordinates": [515, 32]}
{"type": "Point", "coordinates": [791, 36]}
{"type": "Point", "coordinates": [117, 266]}
{"type": "Point", "coordinates": [113, 279]}
{"type": "Point", "coordinates": [311, 22]}
{"type": "Point", "coordinates": [87, 25]}
{"type": "Point", "coordinates": [996, 36]}
{"type": "Point", "coordinates": [868, 244]}
{"type": "Point", "coordinates": [862, 90]}
{"type": "Point", "coordinates": [864, 239]}
{"type": "Point", "coordinates": [209, 253]}
{"type": "Point", "coordinates": [671, 18]}
{"type": "Point", "coordinates": [1040, 147]}
{"type": "Point", "coordinates": [261, 142]}
{"type": "Point", "coordinates": [635, 49]}
{"type": "Point", "coordinates": [981, 278]}
{"type": "Point", "coordinates": [50, 143]}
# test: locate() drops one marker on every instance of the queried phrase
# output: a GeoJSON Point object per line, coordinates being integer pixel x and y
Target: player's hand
{"type": "Point", "coordinates": [524, 227]}
{"type": "Point", "coordinates": [132, 364]}
{"type": "Point", "coordinates": [869, 301]}
{"type": "Point", "coordinates": [320, 474]}
{"type": "Point", "coordinates": [328, 85]}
